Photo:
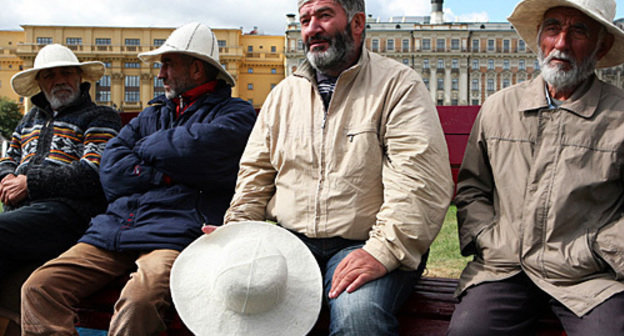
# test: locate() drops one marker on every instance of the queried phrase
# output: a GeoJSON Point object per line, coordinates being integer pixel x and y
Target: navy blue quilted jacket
{"type": "Point", "coordinates": [164, 177]}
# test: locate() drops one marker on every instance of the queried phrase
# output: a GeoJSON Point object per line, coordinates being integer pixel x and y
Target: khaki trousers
{"type": "Point", "coordinates": [52, 290]}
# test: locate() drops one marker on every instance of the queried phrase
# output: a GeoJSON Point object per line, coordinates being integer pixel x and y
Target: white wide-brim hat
{"type": "Point", "coordinates": [193, 39]}
{"type": "Point", "coordinates": [529, 14]}
{"type": "Point", "coordinates": [247, 278]}
{"type": "Point", "coordinates": [24, 83]}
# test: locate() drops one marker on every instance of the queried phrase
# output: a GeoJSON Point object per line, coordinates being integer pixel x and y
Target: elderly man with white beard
{"type": "Point", "coordinates": [50, 185]}
{"type": "Point", "coordinates": [540, 197]}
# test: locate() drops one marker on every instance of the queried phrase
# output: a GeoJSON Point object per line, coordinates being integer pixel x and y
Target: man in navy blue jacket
{"type": "Point", "coordinates": [170, 171]}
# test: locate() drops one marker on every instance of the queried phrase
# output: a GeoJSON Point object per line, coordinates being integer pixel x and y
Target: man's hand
{"type": "Point", "coordinates": [13, 189]}
{"type": "Point", "coordinates": [208, 229]}
{"type": "Point", "coordinates": [356, 269]}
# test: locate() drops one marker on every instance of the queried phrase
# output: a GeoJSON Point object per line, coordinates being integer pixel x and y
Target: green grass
{"type": "Point", "coordinates": [444, 258]}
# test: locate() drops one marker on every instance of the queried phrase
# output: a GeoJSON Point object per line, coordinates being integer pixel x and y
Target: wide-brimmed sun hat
{"type": "Point", "coordinates": [24, 83]}
{"type": "Point", "coordinates": [528, 16]}
{"type": "Point", "coordinates": [193, 39]}
{"type": "Point", "coordinates": [247, 278]}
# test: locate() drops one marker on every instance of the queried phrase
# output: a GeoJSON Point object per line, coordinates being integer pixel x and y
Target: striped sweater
{"type": "Point", "coordinates": [60, 155]}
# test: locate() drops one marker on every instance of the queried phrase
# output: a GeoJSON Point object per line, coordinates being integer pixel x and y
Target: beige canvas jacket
{"type": "Point", "coordinates": [541, 191]}
{"type": "Point", "coordinates": [374, 167]}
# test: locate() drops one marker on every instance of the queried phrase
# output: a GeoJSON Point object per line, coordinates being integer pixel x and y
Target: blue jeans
{"type": "Point", "coordinates": [370, 310]}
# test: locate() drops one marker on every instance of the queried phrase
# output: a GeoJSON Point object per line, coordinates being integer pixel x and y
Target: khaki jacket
{"type": "Point", "coordinates": [541, 191]}
{"type": "Point", "coordinates": [374, 167]}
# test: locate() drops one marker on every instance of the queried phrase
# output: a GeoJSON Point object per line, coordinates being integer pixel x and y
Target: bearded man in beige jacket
{"type": "Point", "coordinates": [540, 193]}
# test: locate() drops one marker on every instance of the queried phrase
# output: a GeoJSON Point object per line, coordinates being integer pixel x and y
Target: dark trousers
{"type": "Point", "coordinates": [511, 306]}
{"type": "Point", "coordinates": [37, 232]}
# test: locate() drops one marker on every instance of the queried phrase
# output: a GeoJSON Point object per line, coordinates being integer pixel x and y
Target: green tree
{"type": "Point", "coordinates": [10, 116]}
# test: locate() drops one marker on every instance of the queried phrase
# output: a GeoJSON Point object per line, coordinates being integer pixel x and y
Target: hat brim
{"type": "Point", "coordinates": [154, 56]}
{"type": "Point", "coordinates": [529, 14]}
{"type": "Point", "coordinates": [24, 83]}
{"type": "Point", "coordinates": [195, 270]}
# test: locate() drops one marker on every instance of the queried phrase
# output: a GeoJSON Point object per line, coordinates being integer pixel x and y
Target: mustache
{"type": "Point", "coordinates": [61, 87]}
{"type": "Point", "coordinates": [318, 38]}
{"type": "Point", "coordinates": [559, 55]}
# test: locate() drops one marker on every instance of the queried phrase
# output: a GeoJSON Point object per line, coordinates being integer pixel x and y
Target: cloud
{"type": "Point", "coordinates": [449, 16]}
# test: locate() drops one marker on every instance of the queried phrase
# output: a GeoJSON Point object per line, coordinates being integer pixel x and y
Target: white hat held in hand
{"type": "Point", "coordinates": [528, 16]}
{"type": "Point", "coordinates": [247, 278]}
{"type": "Point", "coordinates": [24, 83]}
{"type": "Point", "coordinates": [193, 39]}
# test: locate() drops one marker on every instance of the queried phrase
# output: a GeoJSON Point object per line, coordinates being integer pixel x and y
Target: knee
{"type": "Point", "coordinates": [361, 317]}
{"type": "Point", "coordinates": [36, 284]}
{"type": "Point", "coordinates": [464, 324]}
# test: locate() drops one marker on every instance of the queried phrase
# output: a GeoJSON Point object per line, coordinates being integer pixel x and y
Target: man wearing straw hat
{"type": "Point", "coordinates": [49, 185]}
{"type": "Point", "coordinates": [540, 194]}
{"type": "Point", "coordinates": [349, 154]}
{"type": "Point", "coordinates": [171, 170]}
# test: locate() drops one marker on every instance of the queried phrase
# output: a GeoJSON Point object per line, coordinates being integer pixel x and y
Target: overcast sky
{"type": "Point", "coordinates": [268, 15]}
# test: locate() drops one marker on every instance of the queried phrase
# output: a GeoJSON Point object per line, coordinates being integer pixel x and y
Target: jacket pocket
{"type": "Point", "coordinates": [497, 246]}
{"type": "Point", "coordinates": [608, 245]}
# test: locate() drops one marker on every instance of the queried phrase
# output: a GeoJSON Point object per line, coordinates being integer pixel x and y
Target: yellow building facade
{"type": "Point", "coordinates": [255, 61]}
{"type": "Point", "coordinates": [10, 64]}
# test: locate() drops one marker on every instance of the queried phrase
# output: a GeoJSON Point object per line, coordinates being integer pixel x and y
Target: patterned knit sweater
{"type": "Point", "coordinates": [60, 155]}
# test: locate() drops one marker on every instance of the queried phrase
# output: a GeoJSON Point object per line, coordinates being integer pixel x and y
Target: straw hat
{"type": "Point", "coordinates": [528, 15]}
{"type": "Point", "coordinates": [24, 83]}
{"type": "Point", "coordinates": [247, 278]}
{"type": "Point", "coordinates": [193, 39]}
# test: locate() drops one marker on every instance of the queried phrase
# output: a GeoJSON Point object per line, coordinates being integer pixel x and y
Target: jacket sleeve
{"type": "Point", "coordinates": [475, 190]}
{"type": "Point", "coordinates": [416, 179]}
{"type": "Point", "coordinates": [609, 245]}
{"type": "Point", "coordinates": [9, 163]}
{"type": "Point", "coordinates": [256, 177]}
{"type": "Point", "coordinates": [80, 178]}
{"type": "Point", "coordinates": [203, 154]}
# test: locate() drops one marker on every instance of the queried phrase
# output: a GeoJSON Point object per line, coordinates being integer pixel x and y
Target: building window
{"type": "Point", "coordinates": [454, 102]}
{"type": "Point", "coordinates": [221, 43]}
{"type": "Point", "coordinates": [521, 45]}
{"type": "Point", "coordinates": [440, 83]}
{"type": "Point", "coordinates": [375, 45]}
{"type": "Point", "coordinates": [490, 85]}
{"type": "Point", "coordinates": [506, 64]}
{"type": "Point", "coordinates": [102, 41]}
{"type": "Point", "coordinates": [426, 63]}
{"type": "Point", "coordinates": [454, 63]}
{"type": "Point", "coordinates": [132, 42]}
{"type": "Point", "coordinates": [273, 85]}
{"type": "Point", "coordinates": [108, 64]}
{"type": "Point", "coordinates": [506, 46]}
{"type": "Point", "coordinates": [490, 46]}
{"type": "Point", "coordinates": [440, 44]}
{"type": "Point", "coordinates": [250, 101]}
{"type": "Point", "coordinates": [506, 83]}
{"type": "Point", "coordinates": [440, 102]}
{"type": "Point", "coordinates": [103, 89]}
{"type": "Point", "coordinates": [455, 84]}
{"type": "Point", "coordinates": [455, 44]}
{"type": "Point", "coordinates": [536, 65]}
{"type": "Point", "coordinates": [406, 61]}
{"type": "Point", "coordinates": [132, 65]}
{"type": "Point", "coordinates": [132, 84]}
{"type": "Point", "coordinates": [426, 81]}
{"type": "Point", "coordinates": [390, 45]}
{"type": "Point", "coordinates": [158, 42]}
{"type": "Point", "coordinates": [490, 64]}
{"type": "Point", "coordinates": [475, 64]}
{"type": "Point", "coordinates": [250, 86]}
{"type": "Point", "coordinates": [159, 87]}
{"type": "Point", "coordinates": [73, 41]}
{"type": "Point", "coordinates": [521, 65]}
{"type": "Point", "coordinates": [273, 49]}
{"type": "Point", "coordinates": [273, 70]}
{"type": "Point", "coordinates": [157, 65]}
{"type": "Point", "coordinates": [299, 45]}
{"type": "Point", "coordinates": [250, 70]}
{"type": "Point", "coordinates": [406, 47]}
{"type": "Point", "coordinates": [249, 48]}
{"type": "Point", "coordinates": [440, 63]}
{"type": "Point", "coordinates": [475, 102]}
{"type": "Point", "coordinates": [475, 45]}
{"type": "Point", "coordinates": [426, 44]}
{"type": "Point", "coordinates": [475, 85]}
{"type": "Point", "coordinates": [44, 40]}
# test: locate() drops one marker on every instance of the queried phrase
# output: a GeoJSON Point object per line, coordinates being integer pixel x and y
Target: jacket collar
{"type": "Point", "coordinates": [308, 72]}
{"type": "Point", "coordinates": [41, 102]}
{"type": "Point", "coordinates": [583, 104]}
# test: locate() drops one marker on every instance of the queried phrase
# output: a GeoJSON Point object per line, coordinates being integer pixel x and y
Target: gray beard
{"type": "Point", "coordinates": [337, 57]}
{"type": "Point", "coordinates": [562, 79]}
{"type": "Point", "coordinates": [57, 101]}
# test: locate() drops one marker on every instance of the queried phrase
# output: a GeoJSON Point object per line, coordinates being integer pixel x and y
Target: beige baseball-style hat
{"type": "Point", "coordinates": [528, 15]}
{"type": "Point", "coordinates": [24, 83]}
{"type": "Point", "coordinates": [193, 39]}
{"type": "Point", "coordinates": [247, 278]}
